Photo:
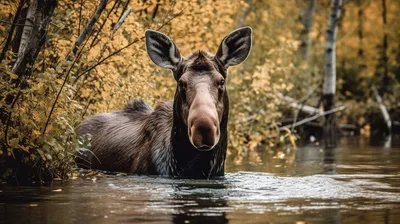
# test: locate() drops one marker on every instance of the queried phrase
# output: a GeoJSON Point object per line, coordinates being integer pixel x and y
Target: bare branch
{"type": "Point", "coordinates": [88, 26]}
{"type": "Point", "coordinates": [119, 23]}
{"type": "Point", "coordinates": [292, 102]}
{"type": "Point", "coordinates": [102, 25]}
{"type": "Point", "coordinates": [123, 48]}
{"type": "Point", "coordinates": [334, 110]}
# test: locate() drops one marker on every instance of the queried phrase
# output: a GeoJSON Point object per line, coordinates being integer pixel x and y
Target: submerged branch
{"type": "Point", "coordinates": [306, 120]}
{"type": "Point", "coordinates": [305, 108]}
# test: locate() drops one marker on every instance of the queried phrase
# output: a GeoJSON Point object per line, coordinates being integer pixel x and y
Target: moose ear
{"type": "Point", "coordinates": [235, 47]}
{"type": "Point", "coordinates": [161, 50]}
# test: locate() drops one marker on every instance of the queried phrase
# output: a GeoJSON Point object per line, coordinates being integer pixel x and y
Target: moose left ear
{"type": "Point", "coordinates": [235, 47]}
{"type": "Point", "coordinates": [162, 50]}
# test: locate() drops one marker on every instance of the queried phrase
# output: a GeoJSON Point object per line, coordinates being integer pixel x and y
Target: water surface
{"type": "Point", "coordinates": [355, 183]}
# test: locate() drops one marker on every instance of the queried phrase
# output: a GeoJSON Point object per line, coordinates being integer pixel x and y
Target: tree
{"type": "Point", "coordinates": [329, 86]}
{"type": "Point", "coordinates": [307, 20]}
{"type": "Point", "coordinates": [33, 36]}
{"type": "Point", "coordinates": [32, 39]}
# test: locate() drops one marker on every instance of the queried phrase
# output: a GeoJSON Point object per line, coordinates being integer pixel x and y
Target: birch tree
{"type": "Point", "coordinates": [32, 39]}
{"type": "Point", "coordinates": [33, 36]}
{"type": "Point", "coordinates": [329, 86]}
{"type": "Point", "coordinates": [307, 19]}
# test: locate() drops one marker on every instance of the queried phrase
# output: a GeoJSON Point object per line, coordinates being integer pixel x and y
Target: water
{"type": "Point", "coordinates": [355, 183]}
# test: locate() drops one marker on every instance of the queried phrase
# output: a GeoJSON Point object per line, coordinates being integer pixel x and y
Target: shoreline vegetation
{"type": "Point", "coordinates": [313, 64]}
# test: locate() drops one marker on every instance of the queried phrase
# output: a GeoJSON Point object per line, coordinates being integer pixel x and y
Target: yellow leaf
{"type": "Point", "coordinates": [36, 133]}
{"type": "Point", "coordinates": [14, 76]}
{"type": "Point", "coordinates": [26, 149]}
{"type": "Point", "coordinates": [48, 129]}
{"type": "Point", "coordinates": [36, 116]}
{"type": "Point", "coordinates": [14, 142]}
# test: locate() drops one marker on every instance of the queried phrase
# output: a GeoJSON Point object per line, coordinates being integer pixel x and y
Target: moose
{"type": "Point", "coordinates": [183, 138]}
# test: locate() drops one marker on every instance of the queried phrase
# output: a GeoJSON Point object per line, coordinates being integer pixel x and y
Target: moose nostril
{"type": "Point", "coordinates": [205, 147]}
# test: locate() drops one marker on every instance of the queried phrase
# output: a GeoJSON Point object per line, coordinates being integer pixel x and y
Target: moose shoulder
{"type": "Point", "coordinates": [186, 137]}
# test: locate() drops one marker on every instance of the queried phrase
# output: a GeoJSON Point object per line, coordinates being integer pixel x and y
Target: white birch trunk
{"type": "Point", "coordinates": [329, 86]}
{"type": "Point", "coordinates": [330, 49]}
{"type": "Point", "coordinates": [34, 35]}
{"type": "Point", "coordinates": [26, 34]}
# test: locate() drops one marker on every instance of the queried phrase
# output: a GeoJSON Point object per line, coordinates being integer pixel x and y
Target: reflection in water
{"type": "Point", "coordinates": [200, 210]}
{"type": "Point", "coordinates": [354, 183]}
{"type": "Point", "coordinates": [329, 161]}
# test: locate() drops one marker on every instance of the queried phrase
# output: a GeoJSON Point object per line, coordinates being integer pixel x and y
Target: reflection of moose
{"type": "Point", "coordinates": [183, 138]}
{"type": "Point", "coordinates": [208, 206]}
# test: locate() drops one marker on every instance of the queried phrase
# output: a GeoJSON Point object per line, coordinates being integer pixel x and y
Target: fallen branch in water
{"type": "Point", "coordinates": [306, 120]}
{"type": "Point", "coordinates": [305, 108]}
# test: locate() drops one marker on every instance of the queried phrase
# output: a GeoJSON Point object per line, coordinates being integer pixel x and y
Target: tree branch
{"type": "Point", "coordinates": [88, 27]}
{"type": "Point", "coordinates": [124, 47]}
{"type": "Point", "coordinates": [121, 20]}
{"type": "Point", "coordinates": [306, 120]}
{"type": "Point", "coordinates": [102, 25]}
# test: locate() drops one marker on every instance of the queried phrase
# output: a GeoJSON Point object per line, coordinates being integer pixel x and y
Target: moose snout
{"type": "Point", "coordinates": [203, 130]}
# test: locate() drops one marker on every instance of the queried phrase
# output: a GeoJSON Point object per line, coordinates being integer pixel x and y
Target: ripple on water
{"type": "Point", "coordinates": [259, 192]}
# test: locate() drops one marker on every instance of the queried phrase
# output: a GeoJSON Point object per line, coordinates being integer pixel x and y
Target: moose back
{"type": "Point", "coordinates": [186, 137]}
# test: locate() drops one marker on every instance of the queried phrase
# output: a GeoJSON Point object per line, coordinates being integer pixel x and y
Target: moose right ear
{"type": "Point", "coordinates": [235, 47]}
{"type": "Point", "coordinates": [162, 50]}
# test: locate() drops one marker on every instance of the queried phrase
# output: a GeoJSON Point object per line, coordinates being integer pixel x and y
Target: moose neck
{"type": "Point", "coordinates": [190, 162]}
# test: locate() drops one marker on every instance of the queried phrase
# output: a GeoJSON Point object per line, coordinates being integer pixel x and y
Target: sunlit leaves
{"type": "Point", "coordinates": [130, 74]}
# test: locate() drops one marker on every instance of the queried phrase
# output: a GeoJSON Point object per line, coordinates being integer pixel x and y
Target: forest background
{"type": "Point", "coordinates": [65, 60]}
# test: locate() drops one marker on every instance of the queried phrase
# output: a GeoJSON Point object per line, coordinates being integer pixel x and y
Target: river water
{"type": "Point", "coordinates": [354, 183]}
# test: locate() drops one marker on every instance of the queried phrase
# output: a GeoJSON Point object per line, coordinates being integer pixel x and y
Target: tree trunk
{"type": "Point", "coordinates": [18, 31]}
{"type": "Point", "coordinates": [33, 36]}
{"type": "Point", "coordinates": [329, 87]}
{"type": "Point", "coordinates": [384, 57]}
{"type": "Point", "coordinates": [12, 28]}
{"type": "Point", "coordinates": [32, 39]}
{"type": "Point", "coordinates": [360, 29]}
{"type": "Point", "coordinates": [308, 17]}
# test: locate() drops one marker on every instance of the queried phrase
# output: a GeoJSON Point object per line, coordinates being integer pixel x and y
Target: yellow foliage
{"type": "Point", "coordinates": [92, 82]}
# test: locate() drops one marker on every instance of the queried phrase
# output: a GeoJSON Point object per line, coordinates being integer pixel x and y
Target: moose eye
{"type": "Point", "coordinates": [222, 84]}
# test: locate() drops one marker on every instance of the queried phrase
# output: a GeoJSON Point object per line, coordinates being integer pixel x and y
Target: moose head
{"type": "Point", "coordinates": [201, 100]}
